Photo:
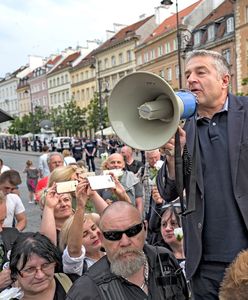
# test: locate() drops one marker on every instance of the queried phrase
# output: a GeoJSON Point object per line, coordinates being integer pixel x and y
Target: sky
{"type": "Point", "coordinates": [44, 27]}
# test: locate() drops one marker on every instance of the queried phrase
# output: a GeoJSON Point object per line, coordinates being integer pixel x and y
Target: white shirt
{"type": "Point", "coordinates": [14, 207]}
{"type": "Point", "coordinates": [69, 160]}
{"type": "Point", "coordinates": [74, 265]}
{"type": "Point", "coordinates": [43, 166]}
{"type": "Point", "coordinates": [4, 168]}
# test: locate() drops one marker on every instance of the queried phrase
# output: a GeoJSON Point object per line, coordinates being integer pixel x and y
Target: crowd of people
{"type": "Point", "coordinates": [145, 237]}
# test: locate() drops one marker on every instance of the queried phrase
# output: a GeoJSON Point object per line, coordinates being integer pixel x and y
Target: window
{"type": "Point", "coordinates": [50, 83]}
{"type": "Point", "coordinates": [177, 71]}
{"type": "Point", "coordinates": [167, 48]}
{"type": "Point", "coordinates": [43, 85]}
{"type": "Point", "coordinates": [139, 60]}
{"type": "Point", "coordinates": [87, 93]}
{"type": "Point", "coordinates": [129, 55]}
{"type": "Point", "coordinates": [152, 54]}
{"type": "Point", "coordinates": [106, 64]}
{"type": "Point", "coordinates": [169, 74]}
{"type": "Point", "coordinates": [227, 54]}
{"type": "Point", "coordinates": [82, 95]}
{"type": "Point", "coordinates": [78, 96]}
{"type": "Point", "coordinates": [230, 25]}
{"type": "Point", "coordinates": [121, 58]}
{"type": "Point", "coordinates": [211, 32]}
{"type": "Point", "coordinates": [161, 73]}
{"type": "Point", "coordinates": [58, 80]}
{"type": "Point", "coordinates": [160, 51]}
{"type": "Point", "coordinates": [62, 79]}
{"type": "Point", "coordinates": [82, 75]}
{"type": "Point", "coordinates": [66, 78]}
{"type": "Point", "coordinates": [175, 44]}
{"type": "Point", "coordinates": [113, 61]}
{"type": "Point", "coordinates": [54, 82]}
{"type": "Point", "coordinates": [87, 75]}
{"type": "Point", "coordinates": [197, 38]}
{"type": "Point", "coordinates": [77, 78]}
{"type": "Point", "coordinates": [146, 57]}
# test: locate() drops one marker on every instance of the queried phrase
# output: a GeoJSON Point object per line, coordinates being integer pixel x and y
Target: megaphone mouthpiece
{"type": "Point", "coordinates": [159, 109]}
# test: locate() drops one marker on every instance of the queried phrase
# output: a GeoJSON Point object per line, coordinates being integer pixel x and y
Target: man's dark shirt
{"type": "Point", "coordinates": [134, 166]}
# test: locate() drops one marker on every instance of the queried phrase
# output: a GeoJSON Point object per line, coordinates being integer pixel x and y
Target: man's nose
{"type": "Point", "coordinates": [125, 240]}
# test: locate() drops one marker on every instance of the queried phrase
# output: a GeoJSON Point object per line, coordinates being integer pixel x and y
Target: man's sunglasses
{"type": "Point", "coordinates": [117, 235]}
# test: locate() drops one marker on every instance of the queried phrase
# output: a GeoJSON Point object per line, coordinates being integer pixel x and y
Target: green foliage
{"type": "Point", "coordinates": [67, 120]}
{"type": "Point", "coordinates": [245, 81]}
{"type": "Point", "coordinates": [93, 114]}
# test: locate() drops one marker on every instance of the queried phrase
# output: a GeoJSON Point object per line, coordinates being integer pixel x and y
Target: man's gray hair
{"type": "Point", "coordinates": [219, 61]}
{"type": "Point", "coordinates": [51, 154]}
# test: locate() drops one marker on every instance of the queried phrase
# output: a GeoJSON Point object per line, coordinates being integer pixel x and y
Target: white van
{"type": "Point", "coordinates": [66, 141]}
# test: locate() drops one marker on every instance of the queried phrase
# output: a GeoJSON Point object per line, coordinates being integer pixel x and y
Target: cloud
{"type": "Point", "coordinates": [43, 27]}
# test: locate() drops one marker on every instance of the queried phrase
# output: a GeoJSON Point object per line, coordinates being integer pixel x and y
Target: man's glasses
{"type": "Point", "coordinates": [117, 235]}
{"type": "Point", "coordinates": [45, 268]}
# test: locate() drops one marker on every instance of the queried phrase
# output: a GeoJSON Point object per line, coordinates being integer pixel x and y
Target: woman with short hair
{"type": "Point", "coordinates": [33, 261]}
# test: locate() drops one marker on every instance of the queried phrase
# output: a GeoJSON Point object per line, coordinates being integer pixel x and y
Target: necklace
{"type": "Point", "coordinates": [146, 274]}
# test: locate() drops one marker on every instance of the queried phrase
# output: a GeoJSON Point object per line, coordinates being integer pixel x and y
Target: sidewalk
{"type": "Point", "coordinates": [98, 160]}
{"type": "Point", "coordinates": [21, 152]}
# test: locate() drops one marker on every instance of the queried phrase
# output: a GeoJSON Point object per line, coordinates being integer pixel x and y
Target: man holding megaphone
{"type": "Point", "coordinates": [214, 144]}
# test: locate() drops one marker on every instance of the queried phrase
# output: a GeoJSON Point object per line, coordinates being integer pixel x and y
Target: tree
{"type": "Point", "coordinates": [93, 114]}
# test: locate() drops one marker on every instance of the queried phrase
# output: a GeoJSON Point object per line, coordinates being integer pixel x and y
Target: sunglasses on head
{"type": "Point", "coordinates": [117, 235]}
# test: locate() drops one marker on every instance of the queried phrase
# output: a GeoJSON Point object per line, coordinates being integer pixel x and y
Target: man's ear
{"type": "Point", "coordinates": [145, 223]}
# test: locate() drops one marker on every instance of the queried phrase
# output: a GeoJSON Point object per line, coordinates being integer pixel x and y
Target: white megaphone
{"type": "Point", "coordinates": [145, 112]}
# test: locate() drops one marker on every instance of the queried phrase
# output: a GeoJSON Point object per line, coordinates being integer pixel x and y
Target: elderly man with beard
{"type": "Point", "coordinates": [131, 269]}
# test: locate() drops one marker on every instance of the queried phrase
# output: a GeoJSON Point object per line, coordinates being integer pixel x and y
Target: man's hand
{"type": "Point", "coordinates": [169, 149]}
{"type": "Point", "coordinates": [156, 196]}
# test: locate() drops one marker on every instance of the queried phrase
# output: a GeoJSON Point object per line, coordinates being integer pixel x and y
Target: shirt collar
{"type": "Point", "coordinates": [224, 108]}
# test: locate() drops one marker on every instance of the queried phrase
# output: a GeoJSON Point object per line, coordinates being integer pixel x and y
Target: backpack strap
{"type": "Point", "coordinates": [64, 280]}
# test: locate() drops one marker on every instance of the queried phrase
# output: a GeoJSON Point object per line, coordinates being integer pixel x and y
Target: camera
{"type": "Point", "coordinates": [117, 172]}
{"type": "Point", "coordinates": [100, 182]}
{"type": "Point", "coordinates": [66, 186]}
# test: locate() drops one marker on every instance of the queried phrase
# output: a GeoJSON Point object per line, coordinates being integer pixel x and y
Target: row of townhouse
{"type": "Point", "coordinates": [220, 25]}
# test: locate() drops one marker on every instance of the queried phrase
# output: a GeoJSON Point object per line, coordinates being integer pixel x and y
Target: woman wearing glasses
{"type": "Point", "coordinates": [33, 261]}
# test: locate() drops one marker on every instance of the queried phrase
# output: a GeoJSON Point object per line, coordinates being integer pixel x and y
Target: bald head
{"type": "Point", "coordinates": [119, 209]}
{"type": "Point", "coordinates": [115, 161]}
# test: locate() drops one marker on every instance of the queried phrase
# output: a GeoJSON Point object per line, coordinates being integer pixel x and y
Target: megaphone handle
{"type": "Point", "coordinates": [179, 170]}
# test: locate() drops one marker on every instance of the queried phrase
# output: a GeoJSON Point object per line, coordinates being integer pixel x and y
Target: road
{"type": "Point", "coordinates": [17, 160]}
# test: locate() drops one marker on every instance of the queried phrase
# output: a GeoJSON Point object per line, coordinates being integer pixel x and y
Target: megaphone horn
{"type": "Point", "coordinates": [145, 112]}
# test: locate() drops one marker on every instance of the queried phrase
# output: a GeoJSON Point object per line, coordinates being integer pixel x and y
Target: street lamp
{"type": "Point", "coordinates": [93, 66]}
{"type": "Point", "coordinates": [169, 2]}
{"type": "Point", "coordinates": [32, 111]}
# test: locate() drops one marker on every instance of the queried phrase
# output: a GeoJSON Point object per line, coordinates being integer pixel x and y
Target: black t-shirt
{"type": "Point", "coordinates": [7, 239]}
{"type": "Point", "coordinates": [90, 146]}
{"type": "Point", "coordinates": [134, 166]}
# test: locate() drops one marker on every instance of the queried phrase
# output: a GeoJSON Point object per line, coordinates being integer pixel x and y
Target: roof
{"type": "Point", "coordinates": [226, 8]}
{"type": "Point", "coordinates": [120, 36]}
{"type": "Point", "coordinates": [67, 62]}
{"type": "Point", "coordinates": [171, 22]}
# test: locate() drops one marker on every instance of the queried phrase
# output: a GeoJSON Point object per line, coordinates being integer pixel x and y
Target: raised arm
{"type": "Point", "coordinates": [48, 225]}
{"type": "Point", "coordinates": [75, 236]}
